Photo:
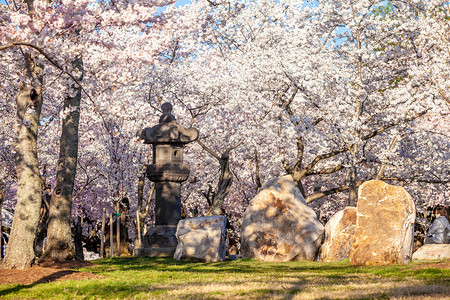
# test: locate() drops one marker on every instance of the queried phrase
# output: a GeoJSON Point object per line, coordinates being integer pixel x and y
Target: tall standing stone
{"type": "Point", "coordinates": [279, 226]}
{"type": "Point", "coordinates": [168, 172]}
{"type": "Point", "coordinates": [384, 226]}
{"type": "Point", "coordinates": [339, 235]}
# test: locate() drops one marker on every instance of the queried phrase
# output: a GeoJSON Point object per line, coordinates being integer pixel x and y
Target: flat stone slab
{"type": "Point", "coordinates": [202, 239]}
{"type": "Point", "coordinates": [160, 236]}
{"type": "Point", "coordinates": [432, 252]}
{"type": "Point", "coordinates": [155, 252]}
{"type": "Point", "coordinates": [159, 241]}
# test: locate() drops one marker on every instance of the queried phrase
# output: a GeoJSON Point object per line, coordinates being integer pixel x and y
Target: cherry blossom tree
{"type": "Point", "coordinates": [332, 92]}
{"type": "Point", "coordinates": [430, 45]}
{"type": "Point", "coordinates": [68, 38]}
{"type": "Point", "coordinates": [327, 91]}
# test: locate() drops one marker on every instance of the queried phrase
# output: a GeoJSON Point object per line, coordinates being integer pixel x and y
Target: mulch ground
{"type": "Point", "coordinates": [47, 271]}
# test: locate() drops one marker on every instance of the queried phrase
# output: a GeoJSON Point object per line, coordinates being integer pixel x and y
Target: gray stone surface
{"type": "Point", "coordinates": [201, 239]}
{"type": "Point", "coordinates": [432, 252]}
{"type": "Point", "coordinates": [167, 203]}
{"type": "Point", "coordinates": [159, 241]}
{"type": "Point", "coordinates": [279, 226]}
{"type": "Point", "coordinates": [168, 172]}
{"type": "Point", "coordinates": [160, 236]}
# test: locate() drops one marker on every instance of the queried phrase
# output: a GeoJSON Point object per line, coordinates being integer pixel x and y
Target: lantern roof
{"type": "Point", "coordinates": [168, 131]}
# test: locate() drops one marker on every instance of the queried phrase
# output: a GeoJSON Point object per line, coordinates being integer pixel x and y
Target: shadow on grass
{"type": "Point", "coordinates": [114, 289]}
{"type": "Point", "coordinates": [147, 277]}
{"type": "Point", "coordinates": [108, 289]}
{"type": "Point", "coordinates": [46, 279]}
{"type": "Point", "coordinates": [244, 266]}
{"type": "Point", "coordinates": [249, 266]}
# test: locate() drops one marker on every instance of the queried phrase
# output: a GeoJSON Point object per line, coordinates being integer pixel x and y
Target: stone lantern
{"type": "Point", "coordinates": [167, 172]}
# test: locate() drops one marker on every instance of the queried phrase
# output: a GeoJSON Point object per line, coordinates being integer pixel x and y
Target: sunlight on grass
{"type": "Point", "coordinates": [165, 278]}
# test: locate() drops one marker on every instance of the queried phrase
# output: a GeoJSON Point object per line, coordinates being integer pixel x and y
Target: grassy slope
{"type": "Point", "coordinates": [165, 278]}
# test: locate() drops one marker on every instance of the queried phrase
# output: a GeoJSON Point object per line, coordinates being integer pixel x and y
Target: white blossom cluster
{"type": "Point", "coordinates": [369, 77]}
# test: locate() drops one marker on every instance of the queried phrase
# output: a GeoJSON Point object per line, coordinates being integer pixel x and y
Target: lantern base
{"type": "Point", "coordinates": [159, 241]}
{"type": "Point", "coordinates": [155, 252]}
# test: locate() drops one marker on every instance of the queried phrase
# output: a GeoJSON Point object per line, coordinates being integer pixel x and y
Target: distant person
{"type": "Point", "coordinates": [439, 232]}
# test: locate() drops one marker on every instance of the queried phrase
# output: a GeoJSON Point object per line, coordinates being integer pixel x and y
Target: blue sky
{"type": "Point", "coordinates": [183, 2]}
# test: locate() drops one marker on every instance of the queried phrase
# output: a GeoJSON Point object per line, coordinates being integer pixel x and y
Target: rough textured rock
{"type": "Point", "coordinates": [432, 251]}
{"type": "Point", "coordinates": [279, 226]}
{"type": "Point", "coordinates": [384, 225]}
{"type": "Point", "coordinates": [339, 235]}
{"type": "Point", "coordinates": [201, 239]}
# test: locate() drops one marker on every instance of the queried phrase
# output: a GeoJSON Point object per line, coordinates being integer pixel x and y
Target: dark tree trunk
{"type": "Point", "coordinates": [102, 237]}
{"type": "Point", "coordinates": [78, 239]}
{"type": "Point", "coordinates": [142, 211]}
{"type": "Point", "coordinates": [124, 239]}
{"type": "Point", "coordinates": [59, 234]}
{"type": "Point", "coordinates": [2, 193]}
{"type": "Point", "coordinates": [257, 176]}
{"type": "Point", "coordinates": [353, 191]}
{"type": "Point", "coordinates": [139, 220]}
{"type": "Point", "coordinates": [21, 253]}
{"type": "Point", "coordinates": [223, 188]}
{"type": "Point", "coordinates": [43, 223]}
{"type": "Point", "coordinates": [123, 247]}
{"type": "Point", "coordinates": [225, 179]}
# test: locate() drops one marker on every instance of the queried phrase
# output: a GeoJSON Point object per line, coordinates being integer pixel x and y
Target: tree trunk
{"type": "Point", "coordinates": [102, 237]}
{"type": "Point", "coordinates": [21, 254]}
{"type": "Point", "coordinates": [43, 223]}
{"type": "Point", "coordinates": [353, 191]}
{"type": "Point", "coordinates": [257, 176]}
{"type": "Point", "coordinates": [139, 221]}
{"type": "Point", "coordinates": [118, 228]}
{"type": "Point", "coordinates": [59, 235]}
{"type": "Point", "coordinates": [383, 165]}
{"type": "Point", "coordinates": [223, 188]}
{"type": "Point", "coordinates": [111, 235]}
{"type": "Point", "coordinates": [78, 239]}
{"type": "Point", "coordinates": [225, 179]}
{"type": "Point", "coordinates": [2, 192]}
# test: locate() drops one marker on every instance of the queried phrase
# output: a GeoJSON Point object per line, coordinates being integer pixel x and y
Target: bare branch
{"type": "Point", "coordinates": [258, 178]}
{"type": "Point", "coordinates": [235, 146]}
{"type": "Point", "coordinates": [307, 169]}
{"type": "Point", "coordinates": [208, 150]}
{"type": "Point", "coordinates": [388, 126]}
{"type": "Point", "coordinates": [436, 181]}
{"type": "Point", "coordinates": [330, 170]}
{"type": "Point", "coordinates": [319, 195]}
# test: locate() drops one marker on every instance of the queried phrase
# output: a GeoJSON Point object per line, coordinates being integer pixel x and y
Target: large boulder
{"type": "Point", "coordinates": [384, 225]}
{"type": "Point", "coordinates": [279, 226]}
{"type": "Point", "coordinates": [339, 235]}
{"type": "Point", "coordinates": [432, 251]}
{"type": "Point", "coordinates": [201, 239]}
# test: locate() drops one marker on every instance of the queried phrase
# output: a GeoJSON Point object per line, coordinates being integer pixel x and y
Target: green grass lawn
{"type": "Point", "coordinates": [165, 278]}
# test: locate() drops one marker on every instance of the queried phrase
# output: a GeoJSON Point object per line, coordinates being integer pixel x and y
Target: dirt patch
{"type": "Point", "coordinates": [47, 271]}
{"type": "Point", "coordinates": [445, 264]}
